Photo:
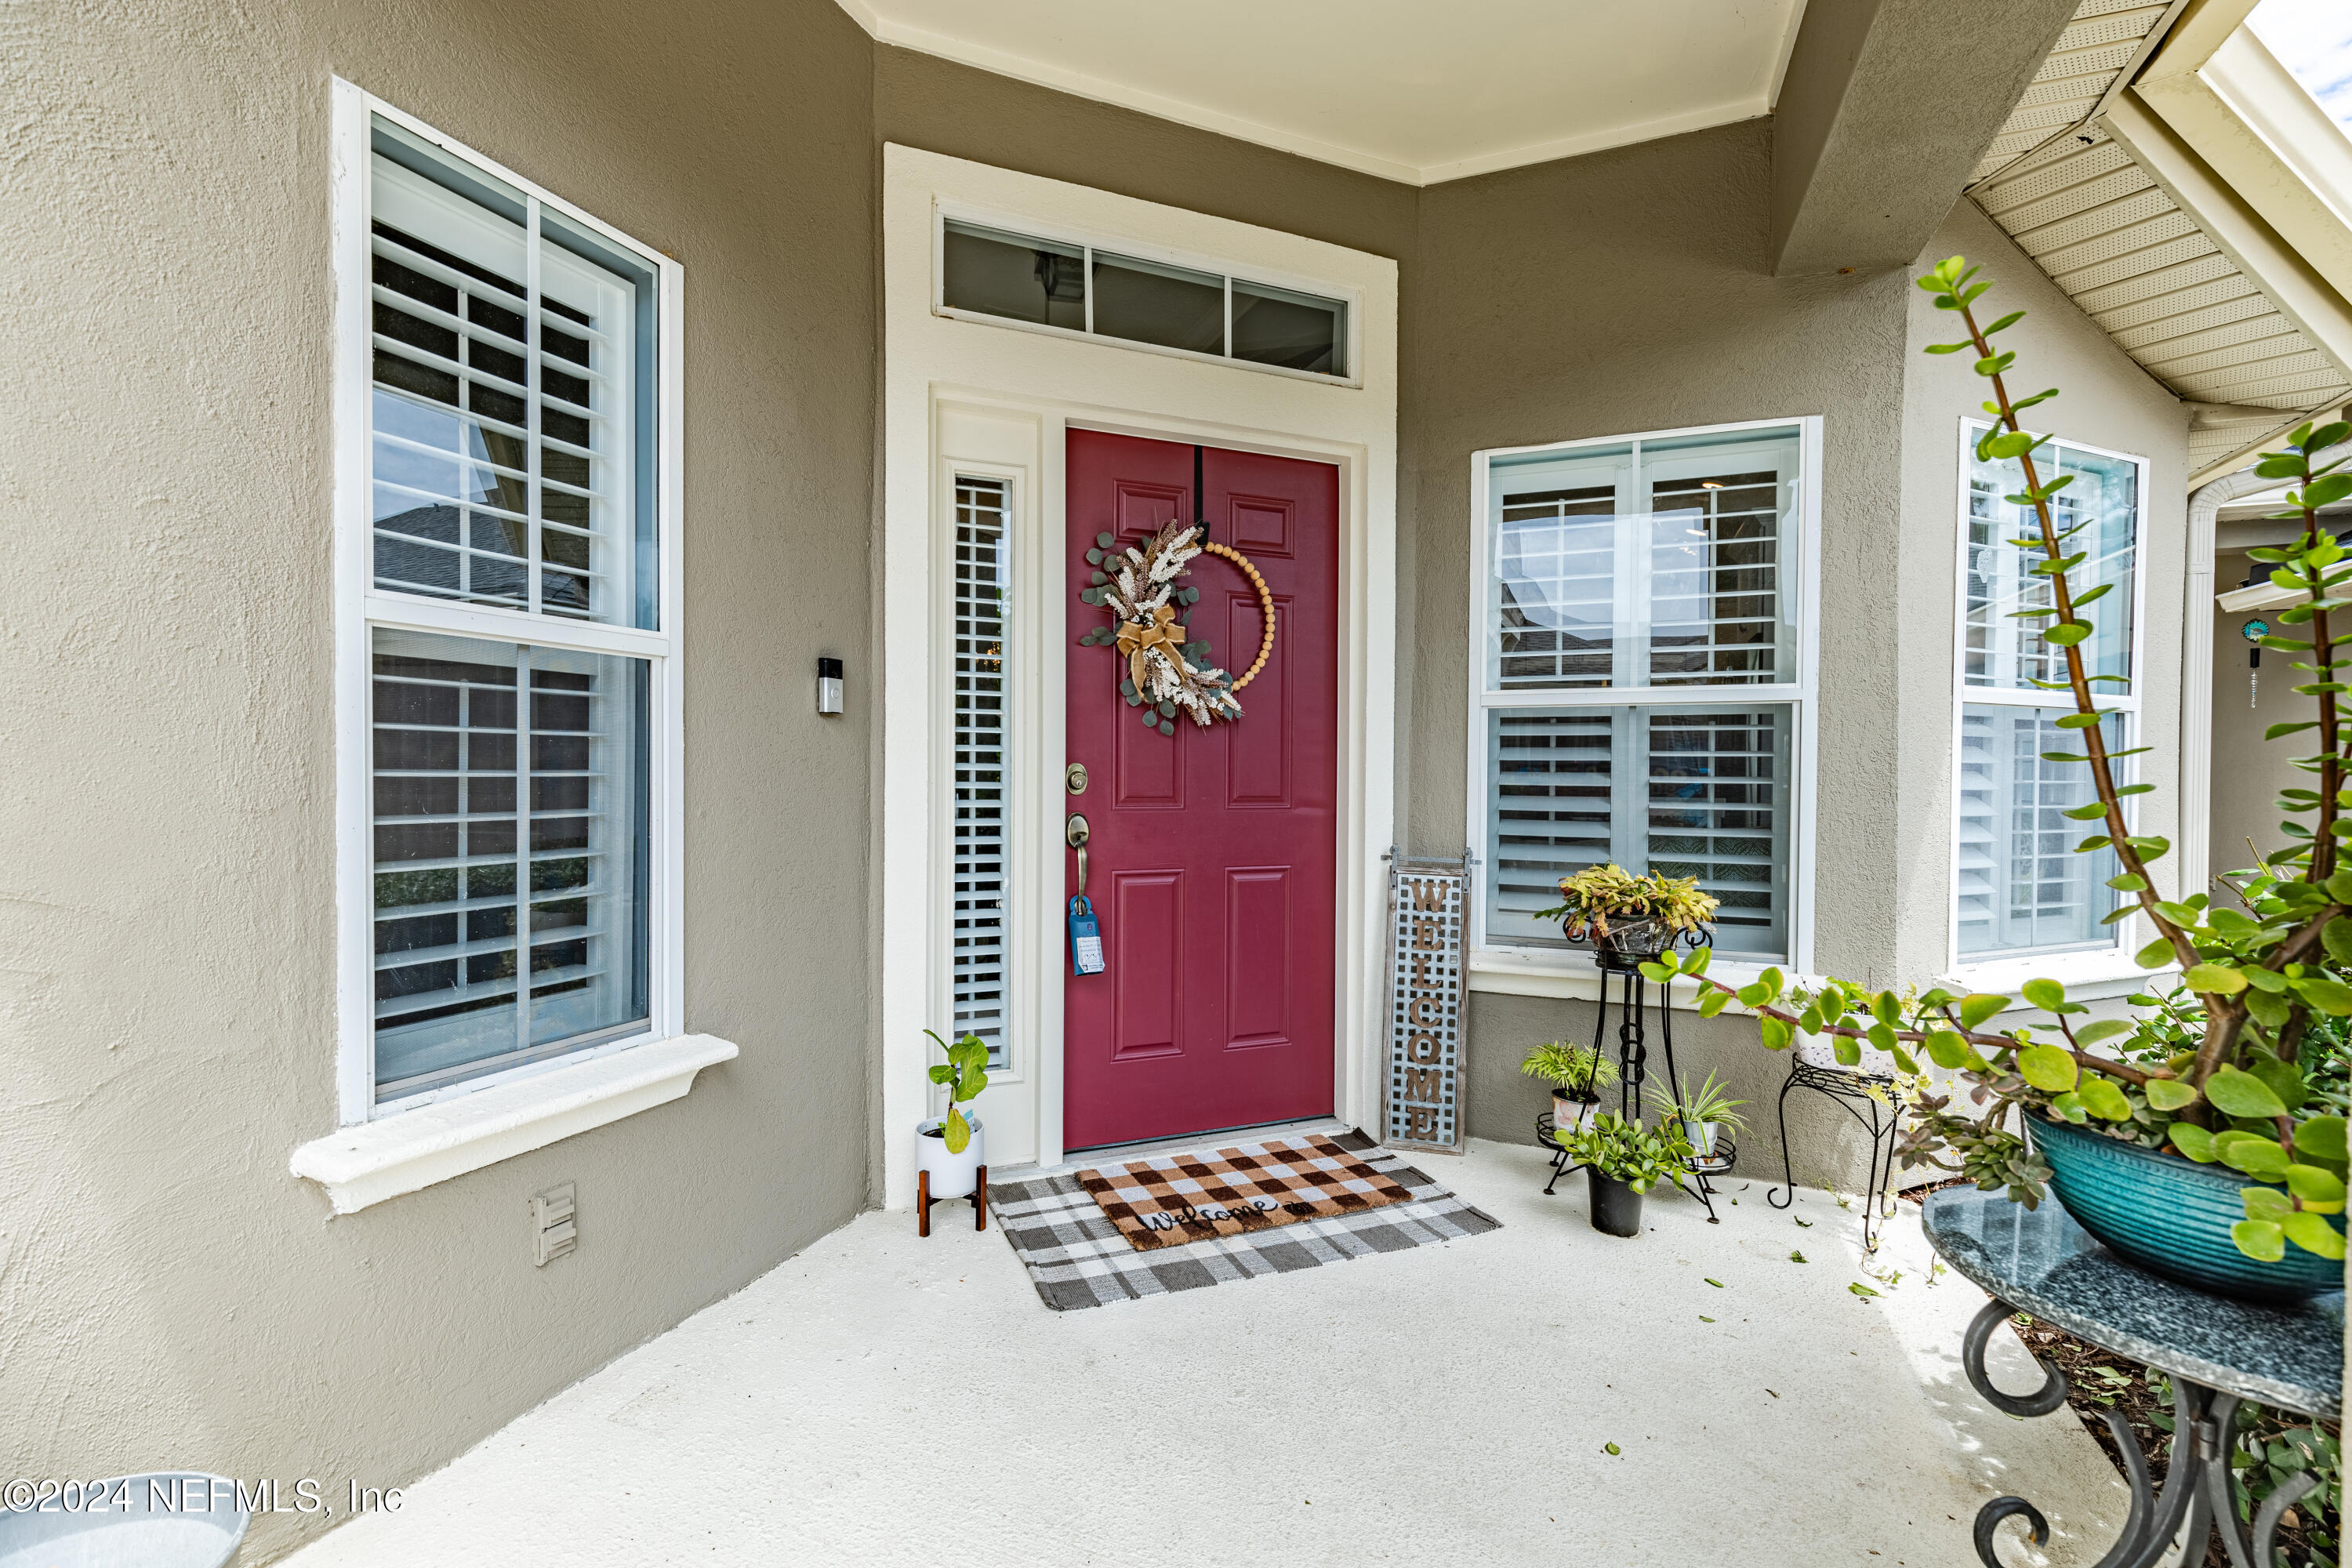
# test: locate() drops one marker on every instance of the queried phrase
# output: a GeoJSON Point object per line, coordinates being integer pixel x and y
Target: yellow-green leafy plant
{"type": "Point", "coordinates": [1598, 895]}
{"type": "Point", "coordinates": [1576, 1070]}
{"type": "Point", "coordinates": [2221, 1076]}
{"type": "Point", "coordinates": [965, 1072]}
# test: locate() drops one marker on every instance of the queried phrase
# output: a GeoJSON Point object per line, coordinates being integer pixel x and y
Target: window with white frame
{"type": "Point", "coordinates": [1070, 286]}
{"type": "Point", "coordinates": [516, 701]}
{"type": "Point", "coordinates": [2020, 888]}
{"type": "Point", "coordinates": [983, 577]}
{"type": "Point", "coordinates": [1641, 621]}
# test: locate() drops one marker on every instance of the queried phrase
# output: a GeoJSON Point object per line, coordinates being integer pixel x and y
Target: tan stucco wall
{"type": "Point", "coordinates": [169, 1295]}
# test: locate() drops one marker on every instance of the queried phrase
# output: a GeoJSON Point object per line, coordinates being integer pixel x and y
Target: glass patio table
{"type": "Point", "coordinates": [2220, 1353]}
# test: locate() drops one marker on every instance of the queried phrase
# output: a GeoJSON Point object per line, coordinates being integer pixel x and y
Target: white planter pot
{"type": "Point", "coordinates": [1568, 1114]}
{"type": "Point", "coordinates": [1701, 1136]}
{"type": "Point", "coordinates": [953, 1175]}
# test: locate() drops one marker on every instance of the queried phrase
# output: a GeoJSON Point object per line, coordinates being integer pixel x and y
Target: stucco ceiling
{"type": "Point", "coordinates": [1417, 90]}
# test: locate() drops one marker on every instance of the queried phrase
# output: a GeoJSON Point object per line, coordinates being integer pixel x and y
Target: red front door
{"type": "Point", "coordinates": [1214, 853]}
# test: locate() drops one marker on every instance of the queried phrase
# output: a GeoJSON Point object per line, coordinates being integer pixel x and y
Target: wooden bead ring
{"type": "Point", "coordinates": [1264, 604]}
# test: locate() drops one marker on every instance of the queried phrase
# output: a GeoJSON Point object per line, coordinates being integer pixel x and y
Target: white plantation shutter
{"type": "Point", "coordinates": [983, 574]}
{"type": "Point", "coordinates": [510, 471]}
{"type": "Point", "coordinates": [1686, 792]}
{"type": "Point", "coordinates": [505, 433]}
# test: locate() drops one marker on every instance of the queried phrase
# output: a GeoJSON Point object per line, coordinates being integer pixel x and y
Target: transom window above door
{"type": "Point", "coordinates": [1169, 305]}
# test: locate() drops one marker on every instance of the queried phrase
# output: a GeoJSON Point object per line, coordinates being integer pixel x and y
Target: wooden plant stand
{"type": "Point", "coordinates": [923, 1201]}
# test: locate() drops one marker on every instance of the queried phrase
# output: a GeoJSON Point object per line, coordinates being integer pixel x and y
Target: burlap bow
{"type": "Point", "coordinates": [1136, 639]}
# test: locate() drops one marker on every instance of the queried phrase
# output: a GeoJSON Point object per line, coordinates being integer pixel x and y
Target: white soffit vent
{"type": "Point", "coordinates": [2076, 201]}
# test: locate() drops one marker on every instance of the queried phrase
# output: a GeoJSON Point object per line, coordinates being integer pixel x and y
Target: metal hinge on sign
{"type": "Point", "coordinates": [554, 1224]}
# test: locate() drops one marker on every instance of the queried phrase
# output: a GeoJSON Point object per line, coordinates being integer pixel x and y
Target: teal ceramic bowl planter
{"type": "Point", "coordinates": [2172, 1215]}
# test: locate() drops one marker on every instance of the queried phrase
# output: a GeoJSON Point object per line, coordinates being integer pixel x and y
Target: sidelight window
{"type": "Point", "coordinates": [504, 598]}
{"type": "Point", "coordinates": [1642, 690]}
{"type": "Point", "coordinates": [983, 575]}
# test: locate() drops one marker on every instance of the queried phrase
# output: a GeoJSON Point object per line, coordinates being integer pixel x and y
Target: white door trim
{"type": "Point", "coordinates": [961, 393]}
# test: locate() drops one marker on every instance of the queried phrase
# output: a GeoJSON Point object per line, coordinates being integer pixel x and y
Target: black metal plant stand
{"type": "Point", "coordinates": [2219, 1354]}
{"type": "Point", "coordinates": [1870, 1098]}
{"type": "Point", "coordinates": [1632, 998]}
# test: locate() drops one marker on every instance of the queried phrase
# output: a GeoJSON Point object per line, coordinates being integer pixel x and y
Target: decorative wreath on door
{"type": "Point", "coordinates": [1167, 673]}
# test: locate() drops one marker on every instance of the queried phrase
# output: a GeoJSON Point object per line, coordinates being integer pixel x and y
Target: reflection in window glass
{"type": "Point", "coordinates": [1299, 331]}
{"type": "Point", "coordinates": [2102, 507]}
{"type": "Point", "coordinates": [1148, 302]}
{"type": "Point", "coordinates": [1653, 563]}
{"type": "Point", "coordinates": [1019, 278]}
{"type": "Point", "coordinates": [2022, 889]}
{"type": "Point", "coordinates": [1699, 792]}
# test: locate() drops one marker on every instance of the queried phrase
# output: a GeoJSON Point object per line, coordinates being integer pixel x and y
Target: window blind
{"type": "Point", "coordinates": [1686, 792]}
{"type": "Point", "coordinates": [508, 412]}
{"type": "Point", "coordinates": [983, 577]}
{"type": "Point", "coordinates": [509, 833]}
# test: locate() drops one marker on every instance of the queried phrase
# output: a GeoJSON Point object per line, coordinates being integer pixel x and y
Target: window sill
{"type": "Point", "coordinates": [1502, 973]}
{"type": "Point", "coordinates": [2087, 976]}
{"type": "Point", "coordinates": [363, 1165]}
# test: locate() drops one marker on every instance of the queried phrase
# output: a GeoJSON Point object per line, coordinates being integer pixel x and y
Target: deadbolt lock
{"type": "Point", "coordinates": [1075, 777]}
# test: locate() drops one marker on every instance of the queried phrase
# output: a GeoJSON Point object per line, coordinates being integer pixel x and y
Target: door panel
{"type": "Point", "coordinates": [1213, 857]}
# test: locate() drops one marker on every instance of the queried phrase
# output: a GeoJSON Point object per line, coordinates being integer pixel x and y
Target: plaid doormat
{"type": "Point", "coordinates": [1171, 1199]}
{"type": "Point", "coordinates": [1077, 1257]}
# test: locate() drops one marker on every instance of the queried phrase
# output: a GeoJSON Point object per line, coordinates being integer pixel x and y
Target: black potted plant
{"type": "Point", "coordinates": [1622, 1160]}
{"type": "Point", "coordinates": [1628, 918]}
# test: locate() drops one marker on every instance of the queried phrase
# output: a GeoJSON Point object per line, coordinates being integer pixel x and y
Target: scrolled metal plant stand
{"type": "Point", "coordinates": [1633, 1063]}
{"type": "Point", "coordinates": [1850, 1089]}
{"type": "Point", "coordinates": [2196, 1496]}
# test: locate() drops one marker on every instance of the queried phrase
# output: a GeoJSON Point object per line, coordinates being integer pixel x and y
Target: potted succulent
{"type": "Point", "coordinates": [951, 1152]}
{"type": "Point", "coordinates": [1705, 1113]}
{"type": "Point", "coordinates": [1628, 918]}
{"type": "Point", "coordinates": [2204, 1136]}
{"type": "Point", "coordinates": [1577, 1075]}
{"type": "Point", "coordinates": [1623, 1159]}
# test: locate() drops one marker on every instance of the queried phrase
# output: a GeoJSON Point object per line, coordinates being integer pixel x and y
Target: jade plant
{"type": "Point", "coordinates": [1577, 1070]}
{"type": "Point", "coordinates": [1626, 1151]}
{"type": "Point", "coordinates": [2228, 1069]}
{"type": "Point", "coordinates": [965, 1072]}
{"type": "Point", "coordinates": [1597, 895]}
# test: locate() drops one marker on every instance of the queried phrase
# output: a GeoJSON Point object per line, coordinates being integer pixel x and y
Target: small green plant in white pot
{"type": "Point", "coordinates": [1705, 1113]}
{"type": "Point", "coordinates": [951, 1152]}
{"type": "Point", "coordinates": [1577, 1075]}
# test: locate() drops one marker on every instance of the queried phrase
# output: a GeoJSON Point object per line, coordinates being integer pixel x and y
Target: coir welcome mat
{"type": "Point", "coordinates": [1078, 1259]}
{"type": "Point", "coordinates": [1171, 1199]}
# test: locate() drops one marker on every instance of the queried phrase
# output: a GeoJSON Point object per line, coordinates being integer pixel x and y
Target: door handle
{"type": "Point", "coordinates": [1077, 833]}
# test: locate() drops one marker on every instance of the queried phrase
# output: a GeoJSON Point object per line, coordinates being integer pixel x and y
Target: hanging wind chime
{"type": "Point", "coordinates": [2255, 632]}
{"type": "Point", "coordinates": [1169, 672]}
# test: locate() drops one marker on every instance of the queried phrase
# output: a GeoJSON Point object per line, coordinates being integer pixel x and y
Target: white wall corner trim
{"type": "Point", "coordinates": [364, 1164]}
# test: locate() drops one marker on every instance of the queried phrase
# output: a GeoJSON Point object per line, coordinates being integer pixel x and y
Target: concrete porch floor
{"type": "Point", "coordinates": [879, 1399]}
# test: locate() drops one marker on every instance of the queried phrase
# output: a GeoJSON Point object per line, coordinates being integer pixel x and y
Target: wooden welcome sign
{"type": "Point", "coordinates": [1429, 902]}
